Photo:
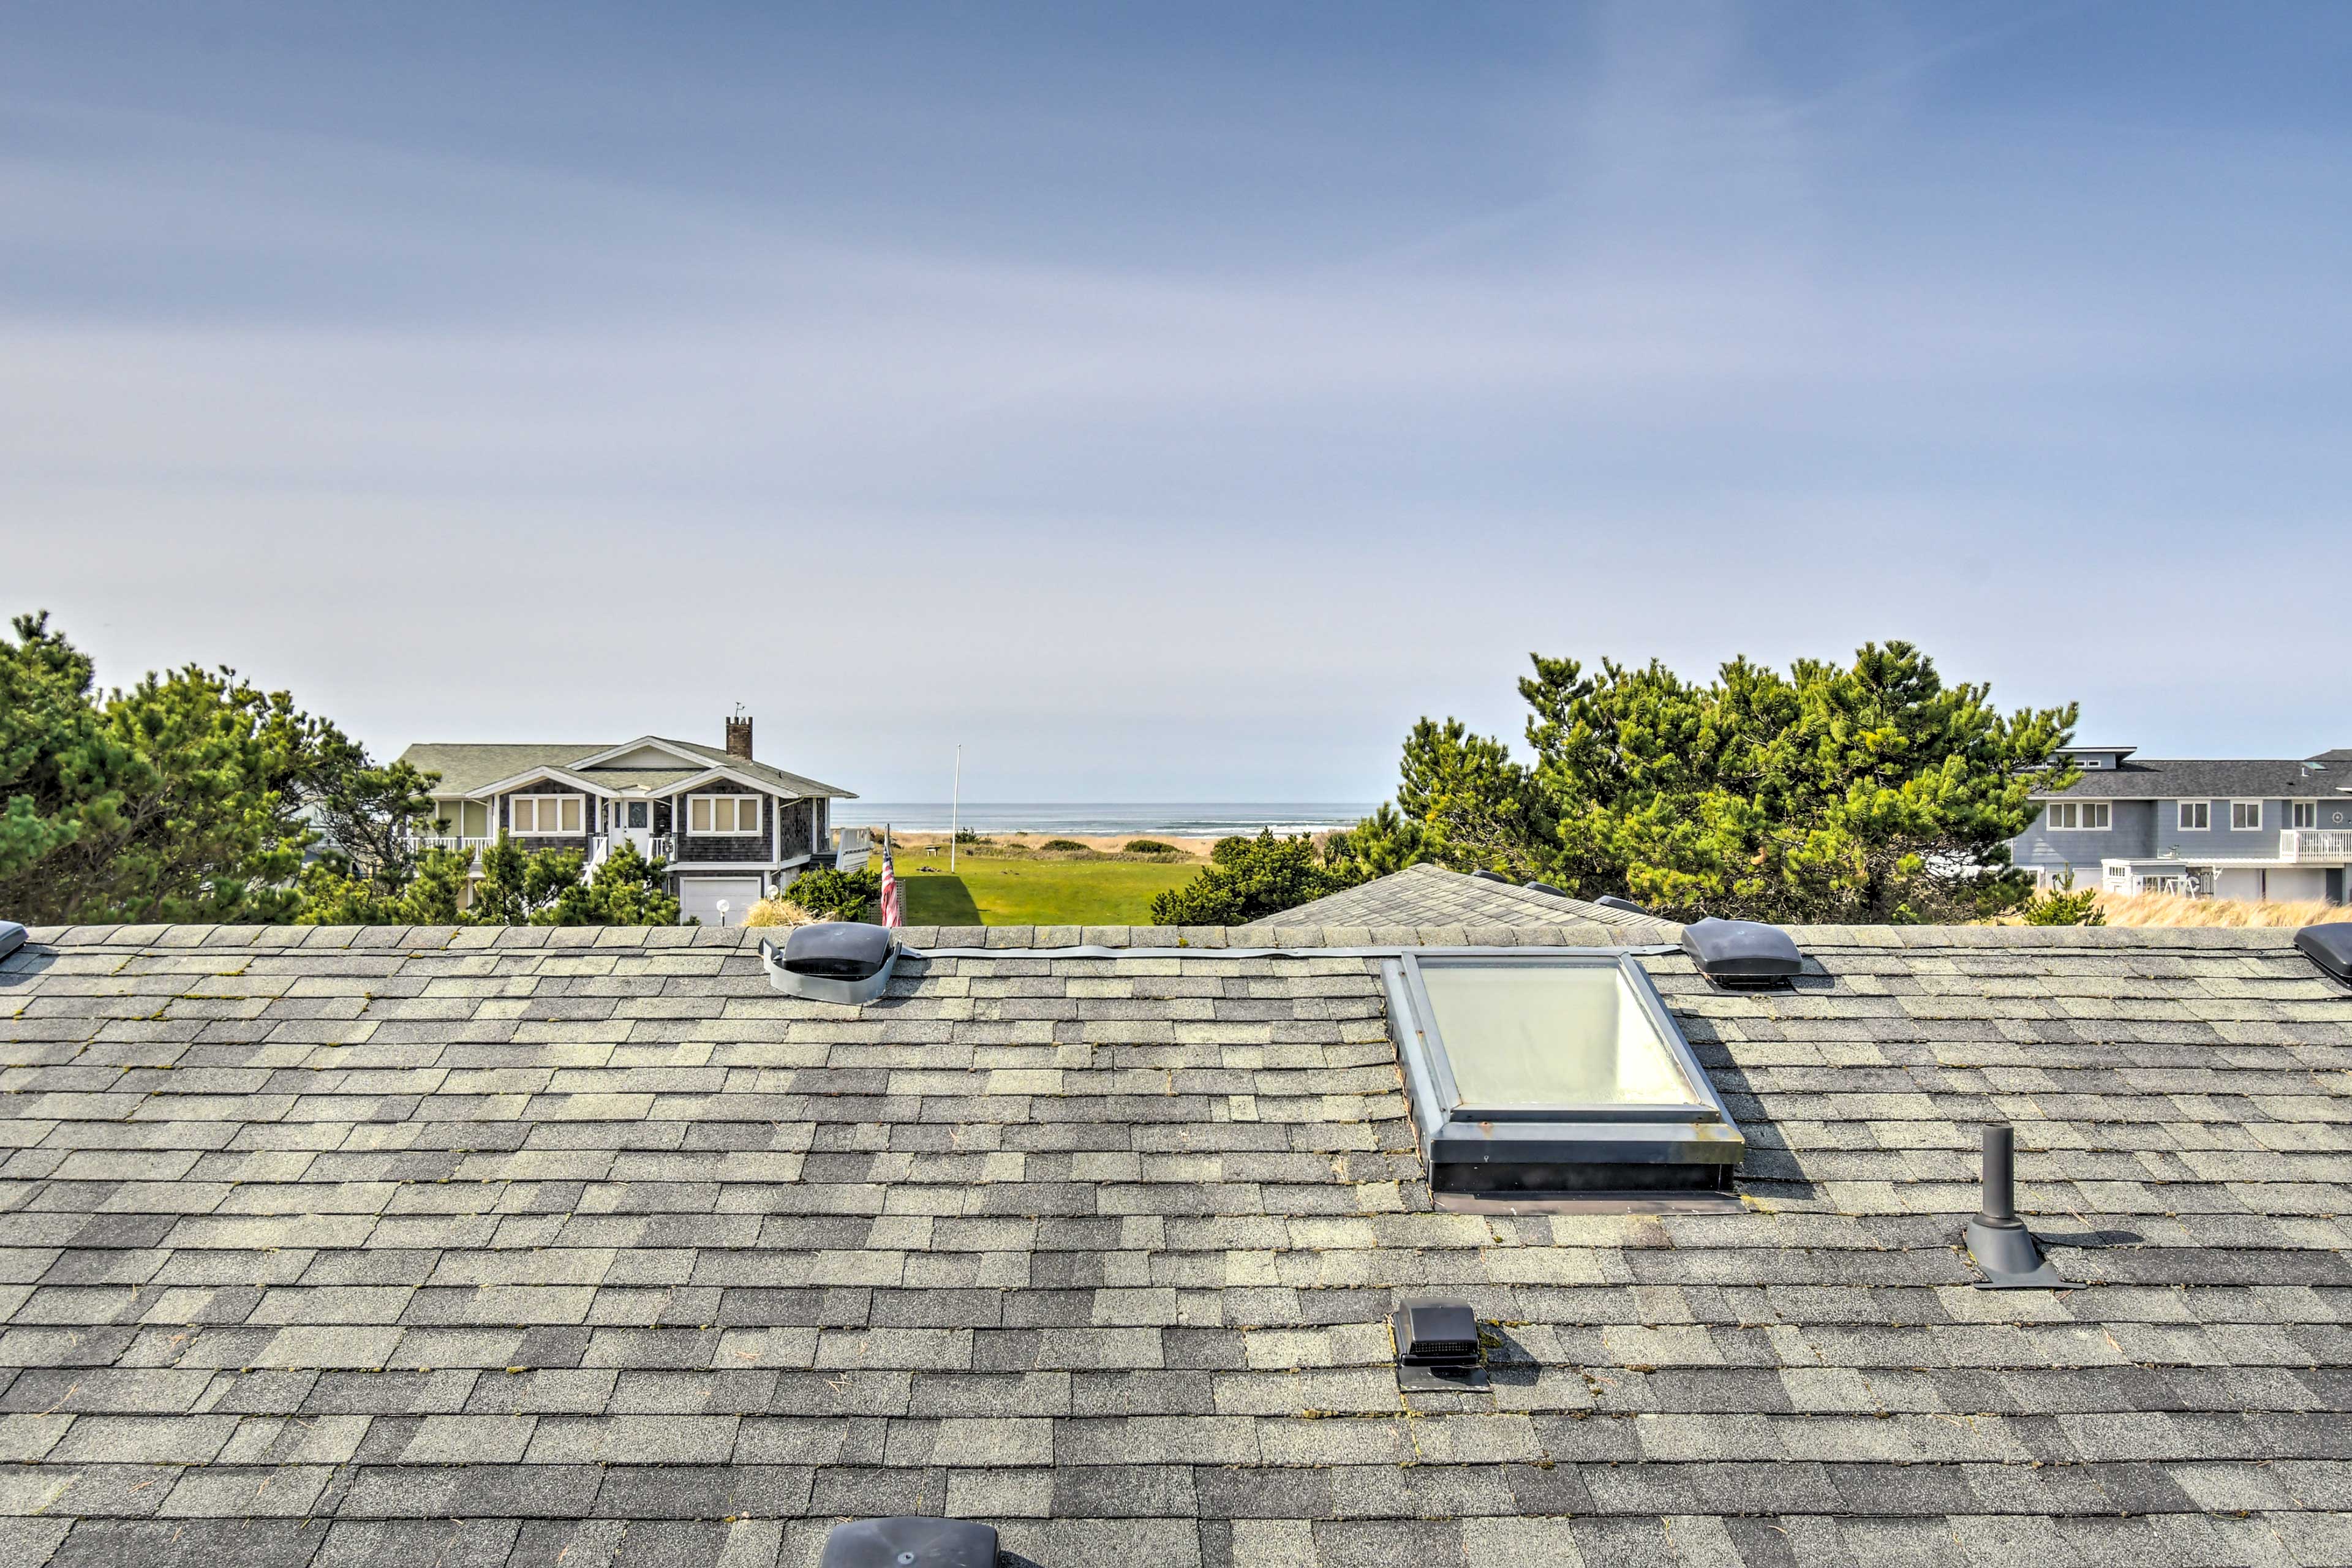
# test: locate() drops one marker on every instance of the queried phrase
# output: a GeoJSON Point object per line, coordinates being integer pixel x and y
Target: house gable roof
{"type": "Point", "coordinates": [526, 1228]}
{"type": "Point", "coordinates": [2329, 774]}
{"type": "Point", "coordinates": [1434, 896]}
{"type": "Point", "coordinates": [467, 769]}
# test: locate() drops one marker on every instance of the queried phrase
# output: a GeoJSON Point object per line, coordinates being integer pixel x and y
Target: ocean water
{"type": "Point", "coordinates": [1185, 817]}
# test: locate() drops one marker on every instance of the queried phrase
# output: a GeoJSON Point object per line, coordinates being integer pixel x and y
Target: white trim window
{"type": "Point", "coordinates": [545, 816]}
{"type": "Point", "coordinates": [2305, 813]}
{"type": "Point", "coordinates": [723, 816]}
{"type": "Point", "coordinates": [2246, 816]}
{"type": "Point", "coordinates": [2196, 816]}
{"type": "Point", "coordinates": [2081, 815]}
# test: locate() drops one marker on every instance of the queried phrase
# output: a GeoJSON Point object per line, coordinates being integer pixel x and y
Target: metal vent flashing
{"type": "Point", "coordinates": [909, 1541]}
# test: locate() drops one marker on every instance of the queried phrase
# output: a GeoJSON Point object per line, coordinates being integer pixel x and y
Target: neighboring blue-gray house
{"type": "Point", "coordinates": [2280, 830]}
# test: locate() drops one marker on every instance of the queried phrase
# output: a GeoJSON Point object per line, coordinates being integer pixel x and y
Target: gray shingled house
{"type": "Point", "coordinates": [732, 828]}
{"type": "Point", "coordinates": [587, 1247]}
{"type": "Point", "coordinates": [2229, 829]}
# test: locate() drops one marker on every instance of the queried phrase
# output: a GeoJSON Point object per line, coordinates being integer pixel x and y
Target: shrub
{"type": "Point", "coordinates": [1248, 879]}
{"type": "Point", "coordinates": [966, 835]}
{"type": "Point", "coordinates": [833, 895]}
{"type": "Point", "coordinates": [1150, 846]}
{"type": "Point", "coordinates": [1062, 844]}
{"type": "Point", "coordinates": [2062, 906]}
{"type": "Point", "coordinates": [778, 912]}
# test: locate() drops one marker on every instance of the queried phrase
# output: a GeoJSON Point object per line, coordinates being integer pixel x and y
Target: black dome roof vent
{"type": "Point", "coordinates": [1743, 956]}
{"type": "Point", "coordinates": [2330, 947]}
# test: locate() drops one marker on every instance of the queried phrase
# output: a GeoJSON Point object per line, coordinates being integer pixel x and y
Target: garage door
{"type": "Point", "coordinates": [698, 898]}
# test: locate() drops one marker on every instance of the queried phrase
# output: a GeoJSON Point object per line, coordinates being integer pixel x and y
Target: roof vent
{"type": "Point", "coordinates": [1624, 906]}
{"type": "Point", "coordinates": [1998, 1241]}
{"type": "Point", "coordinates": [2328, 946]}
{"type": "Point", "coordinates": [1491, 877]}
{"type": "Point", "coordinates": [12, 937]}
{"type": "Point", "coordinates": [1544, 887]}
{"type": "Point", "coordinates": [1437, 1344]}
{"type": "Point", "coordinates": [1743, 956]}
{"type": "Point", "coordinates": [909, 1542]}
{"type": "Point", "coordinates": [833, 960]}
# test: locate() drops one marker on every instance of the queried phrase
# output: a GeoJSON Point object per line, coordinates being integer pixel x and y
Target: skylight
{"type": "Point", "coordinates": [1554, 1073]}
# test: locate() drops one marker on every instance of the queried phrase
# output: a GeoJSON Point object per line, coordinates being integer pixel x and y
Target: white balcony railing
{"type": "Point", "coordinates": [442, 841]}
{"type": "Point", "coordinates": [2316, 845]}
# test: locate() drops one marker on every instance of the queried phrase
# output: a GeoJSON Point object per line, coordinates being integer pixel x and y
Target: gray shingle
{"type": "Point", "coordinates": [1101, 1248]}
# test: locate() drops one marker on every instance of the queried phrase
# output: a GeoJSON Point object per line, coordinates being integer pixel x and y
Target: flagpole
{"type": "Point", "coordinates": [955, 809]}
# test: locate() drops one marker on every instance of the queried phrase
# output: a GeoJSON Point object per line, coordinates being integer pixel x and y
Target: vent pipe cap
{"type": "Point", "coordinates": [911, 1543]}
{"type": "Point", "coordinates": [2328, 946]}
{"type": "Point", "coordinates": [1742, 952]}
{"type": "Point", "coordinates": [1491, 877]}
{"type": "Point", "coordinates": [1544, 887]}
{"type": "Point", "coordinates": [12, 937]}
{"type": "Point", "coordinates": [1624, 906]}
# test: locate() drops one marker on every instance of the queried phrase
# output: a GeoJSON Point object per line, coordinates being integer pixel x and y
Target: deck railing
{"type": "Point", "coordinates": [2315, 844]}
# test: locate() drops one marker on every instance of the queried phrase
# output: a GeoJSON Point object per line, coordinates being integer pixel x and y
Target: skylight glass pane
{"type": "Point", "coordinates": [1533, 1034]}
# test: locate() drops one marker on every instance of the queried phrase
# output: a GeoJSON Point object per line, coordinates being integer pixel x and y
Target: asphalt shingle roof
{"type": "Point", "coordinates": [2328, 776]}
{"type": "Point", "coordinates": [481, 1247]}
{"type": "Point", "coordinates": [1432, 895]}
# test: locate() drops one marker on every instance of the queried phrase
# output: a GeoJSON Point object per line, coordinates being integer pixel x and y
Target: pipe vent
{"type": "Point", "coordinates": [1998, 1241]}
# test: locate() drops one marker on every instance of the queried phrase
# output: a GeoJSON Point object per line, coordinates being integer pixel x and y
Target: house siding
{"type": "Point", "coordinates": [799, 827]}
{"type": "Point", "coordinates": [2131, 835]}
{"type": "Point", "coordinates": [2218, 842]}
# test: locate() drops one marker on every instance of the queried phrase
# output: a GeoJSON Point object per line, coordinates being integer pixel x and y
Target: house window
{"type": "Point", "coordinates": [2081, 815]}
{"type": "Point", "coordinates": [723, 816]}
{"type": "Point", "coordinates": [2246, 816]}
{"type": "Point", "coordinates": [544, 814]}
{"type": "Point", "coordinates": [2306, 813]}
{"type": "Point", "coordinates": [2196, 816]}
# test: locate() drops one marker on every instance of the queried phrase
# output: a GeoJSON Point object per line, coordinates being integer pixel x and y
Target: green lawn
{"type": "Point", "coordinates": [998, 891]}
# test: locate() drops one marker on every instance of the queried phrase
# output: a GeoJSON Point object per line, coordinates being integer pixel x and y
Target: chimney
{"type": "Point", "coordinates": [739, 735]}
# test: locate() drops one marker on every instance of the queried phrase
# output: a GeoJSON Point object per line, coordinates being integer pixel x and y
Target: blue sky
{"type": "Point", "coordinates": [1216, 390]}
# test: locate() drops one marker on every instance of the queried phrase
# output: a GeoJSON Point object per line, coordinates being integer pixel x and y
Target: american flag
{"type": "Point", "coordinates": [892, 915]}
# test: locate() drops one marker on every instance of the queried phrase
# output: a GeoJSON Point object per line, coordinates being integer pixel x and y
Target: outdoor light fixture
{"type": "Point", "coordinates": [909, 1542]}
{"type": "Point", "coordinates": [1997, 1240]}
{"type": "Point", "coordinates": [833, 960]}
{"type": "Point", "coordinates": [1437, 1345]}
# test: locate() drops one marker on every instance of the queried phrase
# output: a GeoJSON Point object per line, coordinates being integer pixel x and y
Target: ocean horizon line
{"type": "Point", "coordinates": [1180, 819]}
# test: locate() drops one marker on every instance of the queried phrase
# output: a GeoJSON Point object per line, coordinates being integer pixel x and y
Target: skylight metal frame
{"type": "Point", "coordinates": [1620, 1149]}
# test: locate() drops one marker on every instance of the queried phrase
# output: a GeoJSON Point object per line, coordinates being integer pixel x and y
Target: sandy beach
{"type": "Point", "coordinates": [1196, 846]}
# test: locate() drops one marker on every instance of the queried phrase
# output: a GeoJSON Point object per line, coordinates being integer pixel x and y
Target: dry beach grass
{"type": "Point", "coordinates": [2172, 910]}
